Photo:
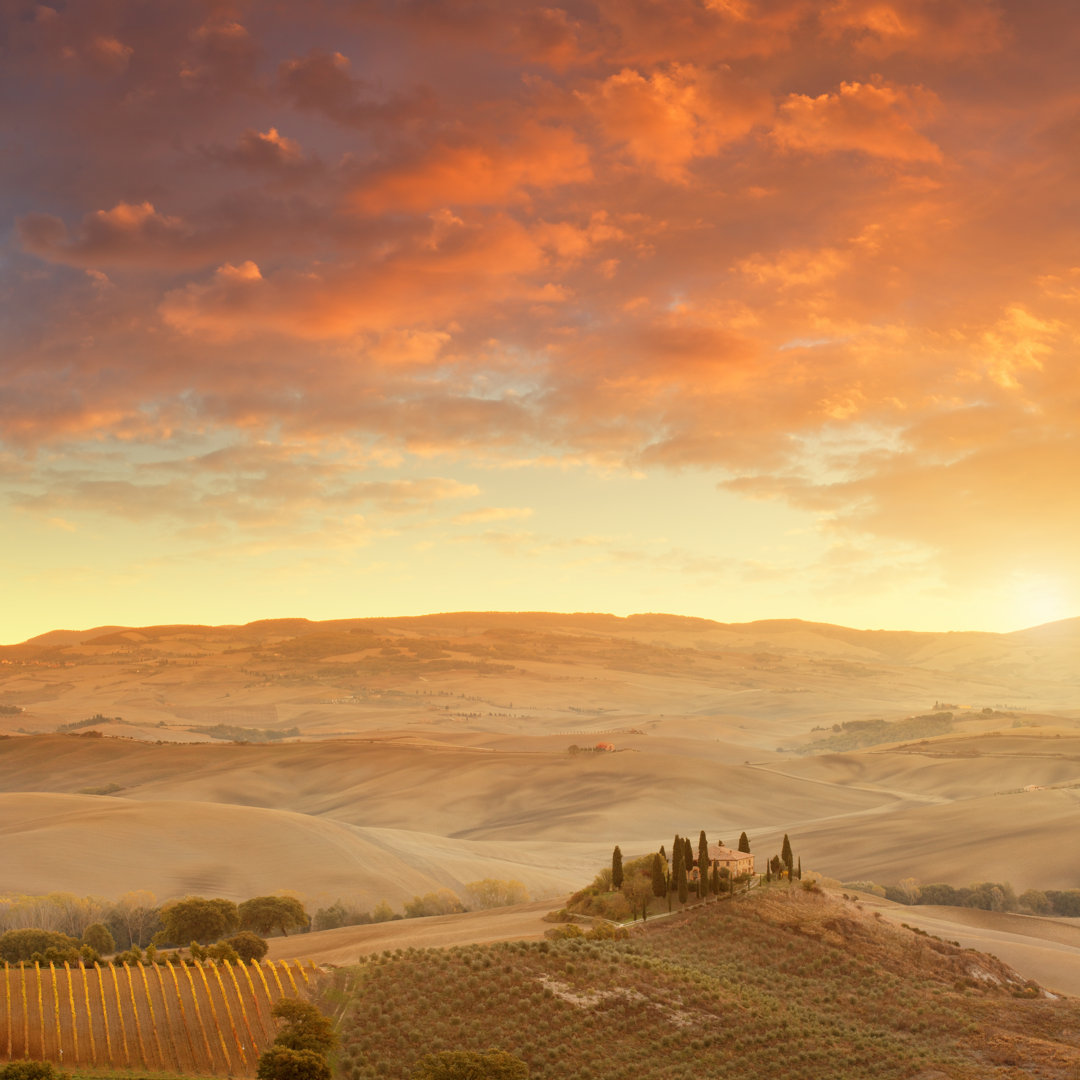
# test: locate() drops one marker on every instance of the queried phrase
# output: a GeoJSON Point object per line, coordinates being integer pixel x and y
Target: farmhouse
{"type": "Point", "coordinates": [735, 862]}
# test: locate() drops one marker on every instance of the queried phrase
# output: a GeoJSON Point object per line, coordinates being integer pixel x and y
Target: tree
{"type": "Point", "coordinates": [493, 893]}
{"type": "Point", "coordinates": [440, 902]}
{"type": "Point", "coordinates": [198, 919]}
{"type": "Point", "coordinates": [703, 864]}
{"type": "Point", "coordinates": [470, 1065]}
{"type": "Point", "coordinates": [616, 868]}
{"type": "Point", "coordinates": [97, 936]}
{"type": "Point", "coordinates": [637, 889]}
{"type": "Point", "coordinates": [744, 843]}
{"type": "Point", "coordinates": [659, 876]}
{"type": "Point", "coordinates": [786, 857]}
{"type": "Point", "coordinates": [16, 945]}
{"type": "Point", "coordinates": [303, 1027]}
{"type": "Point", "coordinates": [248, 946]}
{"type": "Point", "coordinates": [281, 1063]}
{"type": "Point", "coordinates": [265, 914]}
{"type": "Point", "coordinates": [680, 875]}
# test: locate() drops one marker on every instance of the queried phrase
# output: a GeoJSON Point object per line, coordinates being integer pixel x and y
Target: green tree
{"type": "Point", "coordinates": [303, 1026]}
{"type": "Point", "coordinates": [247, 946]}
{"type": "Point", "coordinates": [198, 919]}
{"type": "Point", "coordinates": [703, 864]}
{"type": "Point", "coordinates": [16, 945]}
{"type": "Point", "coordinates": [281, 1063]}
{"type": "Point", "coordinates": [786, 857]}
{"type": "Point", "coordinates": [680, 876]}
{"type": "Point", "coordinates": [470, 1065]}
{"type": "Point", "coordinates": [744, 843]}
{"type": "Point", "coordinates": [659, 876]}
{"type": "Point", "coordinates": [30, 1070]}
{"type": "Point", "coordinates": [616, 868]}
{"type": "Point", "coordinates": [265, 914]}
{"type": "Point", "coordinates": [97, 936]}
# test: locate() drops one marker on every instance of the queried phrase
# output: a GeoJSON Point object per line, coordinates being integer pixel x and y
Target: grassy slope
{"type": "Point", "coordinates": [810, 985]}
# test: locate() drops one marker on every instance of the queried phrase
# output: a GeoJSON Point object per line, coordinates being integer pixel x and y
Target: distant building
{"type": "Point", "coordinates": [735, 862]}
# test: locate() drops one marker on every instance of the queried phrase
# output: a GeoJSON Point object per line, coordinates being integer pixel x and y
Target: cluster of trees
{"type": "Point", "coordinates": [479, 896]}
{"type": "Point", "coordinates": [654, 877]}
{"type": "Point", "coordinates": [986, 895]}
{"type": "Point", "coordinates": [62, 927]}
{"type": "Point", "coordinates": [783, 865]}
{"type": "Point", "coordinates": [50, 946]}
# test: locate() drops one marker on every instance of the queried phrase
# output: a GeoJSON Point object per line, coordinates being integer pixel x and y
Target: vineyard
{"type": "Point", "coordinates": [206, 1018]}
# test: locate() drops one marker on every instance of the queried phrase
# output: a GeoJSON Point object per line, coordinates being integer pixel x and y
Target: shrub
{"type": "Point", "coordinates": [223, 951]}
{"type": "Point", "coordinates": [99, 939]}
{"type": "Point", "coordinates": [305, 1028]}
{"type": "Point", "coordinates": [247, 946]}
{"type": "Point", "coordinates": [282, 1063]}
{"type": "Point", "coordinates": [30, 1070]}
{"type": "Point", "coordinates": [16, 945]}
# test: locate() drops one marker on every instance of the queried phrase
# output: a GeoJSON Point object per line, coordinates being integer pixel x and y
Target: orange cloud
{"type": "Point", "coordinates": [873, 118]}
{"type": "Point", "coordinates": [128, 233]}
{"type": "Point", "coordinates": [538, 157]}
{"type": "Point", "coordinates": [669, 118]}
{"type": "Point", "coordinates": [940, 28]}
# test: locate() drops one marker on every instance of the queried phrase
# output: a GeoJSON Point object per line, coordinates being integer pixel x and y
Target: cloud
{"type": "Point", "coordinates": [938, 28]}
{"type": "Point", "coordinates": [873, 118]}
{"type": "Point", "coordinates": [322, 82]}
{"type": "Point", "coordinates": [814, 250]}
{"type": "Point", "coordinates": [267, 151]}
{"type": "Point", "coordinates": [476, 174]}
{"type": "Point", "coordinates": [128, 233]}
{"type": "Point", "coordinates": [668, 118]}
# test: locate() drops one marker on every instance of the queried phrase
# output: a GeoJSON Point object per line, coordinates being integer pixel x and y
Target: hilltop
{"type": "Point", "coordinates": [811, 986]}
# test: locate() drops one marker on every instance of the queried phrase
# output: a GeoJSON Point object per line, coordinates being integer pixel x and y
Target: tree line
{"type": "Point", "coordinates": [478, 896]}
{"type": "Point", "coordinates": [984, 895]}
{"type": "Point", "coordinates": [87, 928]}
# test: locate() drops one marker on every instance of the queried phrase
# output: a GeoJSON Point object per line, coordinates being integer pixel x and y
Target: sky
{"type": "Point", "coordinates": [730, 308]}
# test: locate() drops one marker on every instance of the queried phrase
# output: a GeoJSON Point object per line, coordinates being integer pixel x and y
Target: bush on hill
{"type": "Point", "coordinates": [281, 1063]}
{"type": "Point", "coordinates": [30, 944]}
{"type": "Point", "coordinates": [247, 946]}
{"type": "Point", "coordinates": [31, 1070]}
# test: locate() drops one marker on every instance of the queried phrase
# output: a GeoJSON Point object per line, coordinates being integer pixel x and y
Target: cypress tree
{"type": "Point", "coordinates": [798, 873]}
{"type": "Point", "coordinates": [744, 843]}
{"type": "Point", "coordinates": [786, 856]}
{"type": "Point", "coordinates": [659, 876]}
{"type": "Point", "coordinates": [678, 871]}
{"type": "Point", "coordinates": [663, 853]}
{"type": "Point", "coordinates": [703, 865]}
{"type": "Point", "coordinates": [616, 868]}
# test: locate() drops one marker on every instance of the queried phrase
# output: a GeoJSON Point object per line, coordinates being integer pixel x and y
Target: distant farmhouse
{"type": "Point", "coordinates": [725, 858]}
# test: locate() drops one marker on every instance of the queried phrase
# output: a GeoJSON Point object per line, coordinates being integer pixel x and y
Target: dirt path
{"type": "Point", "coordinates": [522, 922]}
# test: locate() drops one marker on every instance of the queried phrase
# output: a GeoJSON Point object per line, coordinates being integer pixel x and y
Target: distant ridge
{"type": "Point", "coordinates": [884, 640]}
